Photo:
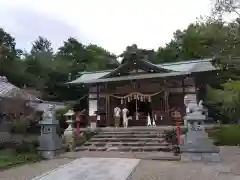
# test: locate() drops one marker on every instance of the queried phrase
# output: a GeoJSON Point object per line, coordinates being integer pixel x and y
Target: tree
{"type": "Point", "coordinates": [99, 58]}
{"type": "Point", "coordinates": [227, 100]}
{"type": "Point", "coordinates": [226, 6]}
{"type": "Point", "coordinates": [10, 65]}
{"type": "Point", "coordinates": [133, 52]}
{"type": "Point", "coordinates": [42, 45]}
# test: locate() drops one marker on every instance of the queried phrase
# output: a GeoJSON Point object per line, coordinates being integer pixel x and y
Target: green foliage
{"type": "Point", "coordinates": [19, 126]}
{"type": "Point", "coordinates": [47, 71]}
{"type": "Point", "coordinates": [61, 119]}
{"type": "Point", "coordinates": [227, 99]}
{"type": "Point", "coordinates": [27, 147]}
{"type": "Point", "coordinates": [227, 135]}
{"type": "Point", "coordinates": [8, 160]}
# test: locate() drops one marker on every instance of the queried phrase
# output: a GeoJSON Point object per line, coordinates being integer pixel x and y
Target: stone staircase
{"type": "Point", "coordinates": [144, 141]}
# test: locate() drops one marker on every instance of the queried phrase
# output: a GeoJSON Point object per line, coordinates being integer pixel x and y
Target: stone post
{"type": "Point", "coordinates": [196, 146]}
{"type": "Point", "coordinates": [49, 141]}
{"type": "Point", "coordinates": [69, 133]}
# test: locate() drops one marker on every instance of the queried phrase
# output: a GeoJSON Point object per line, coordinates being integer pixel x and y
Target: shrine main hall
{"type": "Point", "coordinates": [145, 88]}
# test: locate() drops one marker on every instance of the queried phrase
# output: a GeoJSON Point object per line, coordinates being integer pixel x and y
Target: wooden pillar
{"type": "Point", "coordinates": [166, 106]}
{"type": "Point", "coordinates": [98, 90]}
{"type": "Point", "coordinates": [184, 93]}
{"type": "Point", "coordinates": [183, 86]}
{"type": "Point", "coordinates": [106, 105]}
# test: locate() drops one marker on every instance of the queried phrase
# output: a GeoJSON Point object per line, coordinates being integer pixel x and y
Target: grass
{"type": "Point", "coordinates": [8, 159]}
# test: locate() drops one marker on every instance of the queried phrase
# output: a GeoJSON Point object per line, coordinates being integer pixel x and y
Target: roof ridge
{"type": "Point", "coordinates": [99, 71]}
{"type": "Point", "coordinates": [184, 62]}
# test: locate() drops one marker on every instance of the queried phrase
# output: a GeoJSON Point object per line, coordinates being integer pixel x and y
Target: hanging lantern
{"type": "Point", "coordinates": [121, 101]}
{"type": "Point", "coordinates": [141, 98]}
{"type": "Point", "coordinates": [137, 97]}
{"type": "Point", "coordinates": [128, 99]}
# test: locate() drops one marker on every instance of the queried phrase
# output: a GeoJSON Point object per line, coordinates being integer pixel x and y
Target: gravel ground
{"type": "Point", "coordinates": [228, 169]}
{"type": "Point", "coordinates": [157, 170]}
{"type": "Point", "coordinates": [29, 171]}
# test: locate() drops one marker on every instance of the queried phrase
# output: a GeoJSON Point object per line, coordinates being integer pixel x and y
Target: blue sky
{"type": "Point", "coordinates": [112, 24]}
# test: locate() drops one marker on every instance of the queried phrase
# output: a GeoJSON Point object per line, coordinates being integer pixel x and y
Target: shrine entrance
{"type": "Point", "coordinates": [140, 107]}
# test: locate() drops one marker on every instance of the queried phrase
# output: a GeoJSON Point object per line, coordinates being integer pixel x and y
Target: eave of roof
{"type": "Point", "coordinates": [138, 76]}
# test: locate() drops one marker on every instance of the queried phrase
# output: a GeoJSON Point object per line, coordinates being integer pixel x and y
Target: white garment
{"type": "Point", "coordinates": [154, 123]}
{"type": "Point", "coordinates": [149, 120]}
{"type": "Point", "coordinates": [125, 119]}
{"type": "Point", "coordinates": [117, 112]}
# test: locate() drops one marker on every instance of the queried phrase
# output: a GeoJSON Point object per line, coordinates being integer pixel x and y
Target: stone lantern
{"type": "Point", "coordinates": [49, 141]}
{"type": "Point", "coordinates": [196, 146]}
{"type": "Point", "coordinates": [69, 133]}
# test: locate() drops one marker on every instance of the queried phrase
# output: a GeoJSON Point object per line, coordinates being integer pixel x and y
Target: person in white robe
{"type": "Point", "coordinates": [117, 112]}
{"type": "Point", "coordinates": [125, 118]}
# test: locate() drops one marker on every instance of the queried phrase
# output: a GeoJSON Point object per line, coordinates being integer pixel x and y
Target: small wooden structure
{"type": "Point", "coordinates": [144, 88]}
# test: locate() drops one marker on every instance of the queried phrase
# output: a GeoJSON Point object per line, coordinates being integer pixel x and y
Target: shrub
{"type": "Point", "coordinates": [19, 126]}
{"type": "Point", "coordinates": [227, 135]}
{"type": "Point", "coordinates": [27, 147]}
{"type": "Point", "coordinates": [61, 119]}
{"type": "Point", "coordinates": [171, 136]}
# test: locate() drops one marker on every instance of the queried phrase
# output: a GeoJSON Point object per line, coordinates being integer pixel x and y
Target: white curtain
{"type": "Point", "coordinates": [92, 107]}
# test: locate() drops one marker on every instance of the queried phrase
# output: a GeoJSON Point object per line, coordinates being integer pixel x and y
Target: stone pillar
{"type": "Point", "coordinates": [49, 141]}
{"type": "Point", "coordinates": [196, 146]}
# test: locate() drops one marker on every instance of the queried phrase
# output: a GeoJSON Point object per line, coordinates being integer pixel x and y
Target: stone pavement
{"type": "Point", "coordinates": [228, 169]}
{"type": "Point", "coordinates": [93, 169]}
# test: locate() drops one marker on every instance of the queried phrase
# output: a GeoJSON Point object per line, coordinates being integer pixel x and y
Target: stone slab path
{"type": "Point", "coordinates": [93, 169]}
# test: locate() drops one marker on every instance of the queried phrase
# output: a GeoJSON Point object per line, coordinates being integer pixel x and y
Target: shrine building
{"type": "Point", "coordinates": [145, 88]}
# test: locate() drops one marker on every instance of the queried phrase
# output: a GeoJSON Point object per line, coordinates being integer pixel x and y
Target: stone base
{"type": "Point", "coordinates": [49, 154]}
{"type": "Point", "coordinates": [204, 157]}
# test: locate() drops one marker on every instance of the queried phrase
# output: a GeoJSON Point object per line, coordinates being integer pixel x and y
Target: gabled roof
{"type": "Point", "coordinates": [141, 64]}
{"type": "Point", "coordinates": [182, 67]}
{"type": "Point", "coordinates": [8, 90]}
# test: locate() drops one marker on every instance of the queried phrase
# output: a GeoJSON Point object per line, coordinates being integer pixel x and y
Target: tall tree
{"type": "Point", "coordinates": [42, 45]}
{"type": "Point", "coordinates": [226, 6]}
{"type": "Point", "coordinates": [10, 65]}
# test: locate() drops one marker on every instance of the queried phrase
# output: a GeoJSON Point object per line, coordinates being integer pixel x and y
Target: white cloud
{"type": "Point", "coordinates": [113, 24]}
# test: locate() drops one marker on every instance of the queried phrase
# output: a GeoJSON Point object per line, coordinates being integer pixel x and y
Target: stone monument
{"type": "Point", "coordinates": [196, 145]}
{"type": "Point", "coordinates": [49, 141]}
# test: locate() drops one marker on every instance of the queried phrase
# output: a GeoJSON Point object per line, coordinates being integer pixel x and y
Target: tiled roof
{"type": "Point", "coordinates": [181, 67]}
{"type": "Point", "coordinates": [9, 90]}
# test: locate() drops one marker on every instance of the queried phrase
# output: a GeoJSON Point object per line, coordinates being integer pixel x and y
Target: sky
{"type": "Point", "coordinates": [111, 24]}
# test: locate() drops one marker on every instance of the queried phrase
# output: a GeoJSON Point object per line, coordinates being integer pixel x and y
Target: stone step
{"type": "Point", "coordinates": [168, 156]}
{"type": "Point", "coordinates": [113, 129]}
{"type": "Point", "coordinates": [131, 132]}
{"type": "Point", "coordinates": [113, 144]}
{"type": "Point", "coordinates": [133, 139]}
{"type": "Point", "coordinates": [128, 135]}
{"type": "Point", "coordinates": [126, 148]}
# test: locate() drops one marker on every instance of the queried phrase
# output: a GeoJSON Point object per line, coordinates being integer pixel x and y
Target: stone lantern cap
{"type": "Point", "coordinates": [69, 113]}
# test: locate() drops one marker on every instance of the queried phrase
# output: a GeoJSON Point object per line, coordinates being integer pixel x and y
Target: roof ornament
{"type": "Point", "coordinates": [3, 79]}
